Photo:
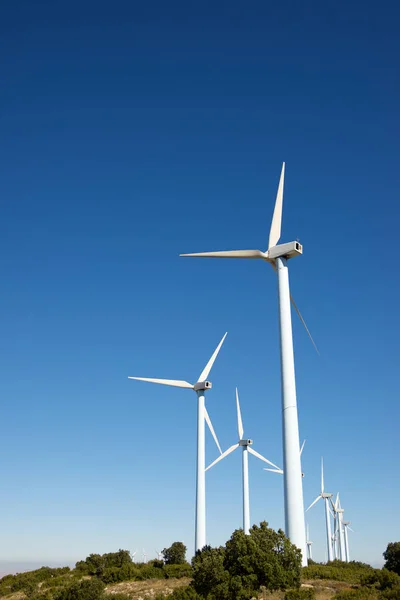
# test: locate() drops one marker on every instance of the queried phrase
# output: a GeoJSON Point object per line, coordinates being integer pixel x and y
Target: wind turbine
{"type": "Point", "coordinates": [338, 513]}
{"type": "Point", "coordinates": [200, 387]}
{"type": "Point", "coordinates": [326, 497]}
{"type": "Point", "coordinates": [159, 555]}
{"type": "Point", "coordinates": [309, 544]}
{"type": "Point", "coordinates": [277, 256]}
{"type": "Point", "coordinates": [144, 556]}
{"type": "Point", "coordinates": [246, 447]}
{"type": "Point", "coordinates": [133, 556]}
{"type": "Point", "coordinates": [346, 526]}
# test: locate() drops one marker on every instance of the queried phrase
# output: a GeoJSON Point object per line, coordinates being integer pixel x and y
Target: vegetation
{"type": "Point", "coordinates": [392, 557]}
{"type": "Point", "coordinates": [237, 571]}
{"type": "Point", "coordinates": [262, 564]}
{"type": "Point", "coordinates": [175, 554]}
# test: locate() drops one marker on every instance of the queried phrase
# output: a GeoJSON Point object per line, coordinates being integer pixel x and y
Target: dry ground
{"type": "Point", "coordinates": [138, 590]}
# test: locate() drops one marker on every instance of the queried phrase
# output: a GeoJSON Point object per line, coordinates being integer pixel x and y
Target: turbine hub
{"type": "Point", "coordinates": [202, 386]}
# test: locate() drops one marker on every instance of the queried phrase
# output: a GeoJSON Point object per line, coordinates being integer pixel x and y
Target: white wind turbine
{"type": "Point", "coordinates": [339, 529]}
{"type": "Point", "coordinates": [144, 556]}
{"type": "Point", "coordinates": [346, 527]}
{"type": "Point", "coordinates": [159, 555]}
{"type": "Point", "coordinates": [326, 497]}
{"type": "Point", "coordinates": [133, 556]}
{"type": "Point", "coordinates": [277, 256]}
{"type": "Point", "coordinates": [200, 388]}
{"type": "Point", "coordinates": [246, 447]}
{"type": "Point", "coordinates": [309, 544]}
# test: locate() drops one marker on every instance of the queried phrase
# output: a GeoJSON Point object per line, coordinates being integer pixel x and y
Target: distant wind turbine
{"type": "Point", "coordinates": [346, 527]}
{"type": "Point", "coordinates": [277, 256]}
{"type": "Point", "coordinates": [245, 444]}
{"type": "Point", "coordinates": [159, 555]}
{"type": "Point", "coordinates": [326, 497]}
{"type": "Point", "coordinates": [200, 387]}
{"type": "Point", "coordinates": [309, 544]}
{"type": "Point", "coordinates": [144, 556]}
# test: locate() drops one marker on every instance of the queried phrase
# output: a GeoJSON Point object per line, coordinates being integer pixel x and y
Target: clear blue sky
{"type": "Point", "coordinates": [131, 132]}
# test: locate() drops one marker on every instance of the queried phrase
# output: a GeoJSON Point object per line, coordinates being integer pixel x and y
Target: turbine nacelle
{"type": "Point", "coordinates": [285, 250]}
{"type": "Point", "coordinates": [202, 386]}
{"type": "Point", "coordinates": [245, 442]}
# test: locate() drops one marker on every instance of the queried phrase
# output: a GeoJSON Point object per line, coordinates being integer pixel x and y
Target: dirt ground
{"type": "Point", "coordinates": [139, 590]}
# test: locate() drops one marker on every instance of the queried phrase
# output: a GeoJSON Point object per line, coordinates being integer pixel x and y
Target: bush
{"type": "Point", "coordinates": [391, 594]}
{"type": "Point", "coordinates": [209, 574]}
{"type": "Point", "coordinates": [89, 589]}
{"type": "Point", "coordinates": [358, 594]}
{"type": "Point", "coordinates": [150, 572]}
{"type": "Point", "coordinates": [186, 593]}
{"type": "Point", "coordinates": [351, 572]}
{"type": "Point", "coordinates": [178, 571]}
{"type": "Point", "coordinates": [300, 594]}
{"type": "Point", "coordinates": [381, 579]}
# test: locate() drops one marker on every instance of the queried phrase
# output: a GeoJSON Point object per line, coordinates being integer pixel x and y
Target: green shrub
{"type": "Point", "coordinates": [150, 572]}
{"type": "Point", "coordinates": [391, 594]}
{"type": "Point", "coordinates": [88, 589]}
{"type": "Point", "coordinates": [117, 574]}
{"type": "Point", "coordinates": [362, 593]}
{"type": "Point", "coordinates": [381, 579]}
{"type": "Point", "coordinates": [352, 573]}
{"type": "Point", "coordinates": [185, 593]}
{"type": "Point", "coordinates": [300, 594]}
{"type": "Point", "coordinates": [178, 571]}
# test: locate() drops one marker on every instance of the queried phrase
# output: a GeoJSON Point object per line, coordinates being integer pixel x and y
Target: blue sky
{"type": "Point", "coordinates": [132, 132]}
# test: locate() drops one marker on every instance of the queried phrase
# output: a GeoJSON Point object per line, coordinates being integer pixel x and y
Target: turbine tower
{"type": "Point", "coordinates": [200, 387]}
{"type": "Point", "coordinates": [339, 533]}
{"type": "Point", "coordinates": [346, 526]}
{"type": "Point", "coordinates": [246, 448]}
{"type": "Point", "coordinates": [309, 544]}
{"type": "Point", "coordinates": [278, 256]}
{"type": "Point", "coordinates": [326, 497]}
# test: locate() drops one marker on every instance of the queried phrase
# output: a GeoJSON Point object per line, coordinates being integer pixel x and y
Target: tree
{"type": "Point", "coordinates": [392, 557]}
{"type": "Point", "coordinates": [263, 558]}
{"type": "Point", "coordinates": [175, 554]}
{"type": "Point", "coordinates": [209, 574]}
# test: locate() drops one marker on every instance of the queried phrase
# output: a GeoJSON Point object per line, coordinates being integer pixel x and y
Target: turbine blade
{"type": "Point", "coordinates": [275, 231]}
{"type": "Point", "coordinates": [254, 453]}
{"type": "Point", "coordinates": [211, 428]}
{"type": "Point", "coordinates": [350, 529]}
{"type": "Point", "coordinates": [302, 447]}
{"type": "Point", "coordinates": [173, 382]}
{"type": "Point", "coordinates": [205, 372]}
{"type": "Point", "coordinates": [231, 449]}
{"type": "Point", "coordinates": [274, 470]}
{"type": "Point", "coordinates": [315, 502]}
{"type": "Point", "coordinates": [304, 323]}
{"type": "Point", "coordinates": [239, 417]}
{"type": "Point", "coordinates": [322, 475]}
{"type": "Point", "coordinates": [229, 254]}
